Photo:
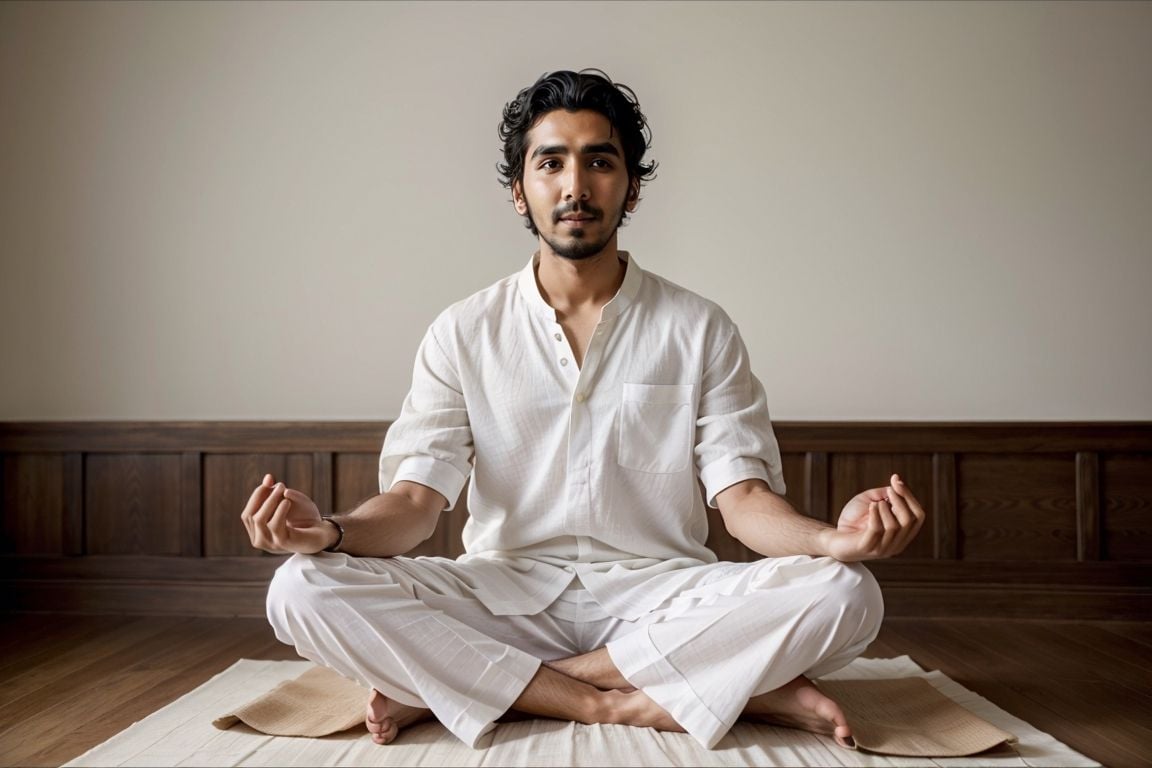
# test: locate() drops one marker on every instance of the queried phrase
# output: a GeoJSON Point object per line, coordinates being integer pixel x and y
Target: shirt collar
{"type": "Point", "coordinates": [622, 300]}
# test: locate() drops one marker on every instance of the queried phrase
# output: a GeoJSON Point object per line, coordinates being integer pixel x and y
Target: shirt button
{"type": "Point", "coordinates": [581, 397]}
{"type": "Point", "coordinates": [558, 337]}
{"type": "Point", "coordinates": [563, 361]}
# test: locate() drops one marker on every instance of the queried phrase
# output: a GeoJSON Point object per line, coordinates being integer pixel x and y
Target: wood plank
{"type": "Point", "coordinates": [171, 683]}
{"type": "Point", "coordinates": [990, 673]}
{"type": "Point", "coordinates": [54, 636]}
{"type": "Point", "coordinates": [367, 436]}
{"type": "Point", "coordinates": [217, 437]}
{"type": "Point", "coordinates": [133, 504]}
{"type": "Point", "coordinates": [1126, 488]}
{"type": "Point", "coordinates": [172, 598]}
{"type": "Point", "coordinates": [817, 481]}
{"type": "Point", "coordinates": [1092, 651]}
{"type": "Point", "coordinates": [33, 500]}
{"type": "Point", "coordinates": [64, 704]}
{"type": "Point", "coordinates": [191, 504]}
{"type": "Point", "coordinates": [322, 481]}
{"type": "Point", "coordinates": [72, 523]}
{"type": "Point", "coordinates": [1017, 507]}
{"type": "Point", "coordinates": [945, 523]}
{"type": "Point", "coordinates": [793, 466]}
{"type": "Point", "coordinates": [1087, 506]}
{"type": "Point", "coordinates": [1112, 716]}
{"type": "Point", "coordinates": [1135, 631]}
{"type": "Point", "coordinates": [56, 692]}
{"type": "Point", "coordinates": [356, 478]}
{"type": "Point", "coordinates": [74, 655]}
{"type": "Point", "coordinates": [997, 659]}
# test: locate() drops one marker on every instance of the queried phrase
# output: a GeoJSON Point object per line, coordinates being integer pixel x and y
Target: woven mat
{"type": "Point", "coordinates": [898, 716]}
{"type": "Point", "coordinates": [182, 733]}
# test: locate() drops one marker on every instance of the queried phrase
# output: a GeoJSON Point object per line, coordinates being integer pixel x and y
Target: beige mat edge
{"type": "Point", "coordinates": [900, 716]}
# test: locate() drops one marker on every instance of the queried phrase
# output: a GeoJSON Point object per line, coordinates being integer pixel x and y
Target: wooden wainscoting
{"type": "Point", "coordinates": [1030, 520]}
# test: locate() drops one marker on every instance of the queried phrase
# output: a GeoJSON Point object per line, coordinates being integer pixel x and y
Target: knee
{"type": "Point", "coordinates": [288, 592]}
{"type": "Point", "coordinates": [855, 595]}
{"type": "Point", "coordinates": [300, 593]}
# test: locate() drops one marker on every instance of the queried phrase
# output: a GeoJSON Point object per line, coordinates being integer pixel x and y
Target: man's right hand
{"type": "Point", "coordinates": [280, 520]}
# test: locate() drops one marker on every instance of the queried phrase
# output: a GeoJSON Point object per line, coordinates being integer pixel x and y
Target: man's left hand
{"type": "Point", "coordinates": [876, 523]}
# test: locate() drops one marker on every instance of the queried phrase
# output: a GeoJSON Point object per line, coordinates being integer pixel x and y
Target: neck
{"type": "Point", "coordinates": [569, 286]}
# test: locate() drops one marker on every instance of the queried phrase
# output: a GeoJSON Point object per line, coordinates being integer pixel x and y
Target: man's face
{"type": "Point", "coordinates": [575, 184]}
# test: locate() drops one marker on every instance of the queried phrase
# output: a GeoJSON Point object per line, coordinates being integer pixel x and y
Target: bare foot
{"type": "Point", "coordinates": [385, 717]}
{"type": "Point", "coordinates": [637, 709]}
{"type": "Point", "coordinates": [800, 704]}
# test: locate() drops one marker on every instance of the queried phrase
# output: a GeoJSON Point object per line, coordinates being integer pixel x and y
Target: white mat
{"type": "Point", "coordinates": [182, 734]}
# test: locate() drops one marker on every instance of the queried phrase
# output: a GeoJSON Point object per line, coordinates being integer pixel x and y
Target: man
{"type": "Point", "coordinates": [585, 401]}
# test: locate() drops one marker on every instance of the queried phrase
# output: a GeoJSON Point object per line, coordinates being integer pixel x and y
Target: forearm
{"type": "Point", "coordinates": [389, 524]}
{"type": "Point", "coordinates": [766, 523]}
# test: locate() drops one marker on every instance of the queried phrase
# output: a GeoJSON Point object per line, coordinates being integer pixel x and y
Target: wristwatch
{"type": "Point", "coordinates": [335, 547]}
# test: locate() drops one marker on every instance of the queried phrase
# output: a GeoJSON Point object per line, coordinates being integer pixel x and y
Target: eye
{"type": "Point", "coordinates": [549, 165]}
{"type": "Point", "coordinates": [600, 162]}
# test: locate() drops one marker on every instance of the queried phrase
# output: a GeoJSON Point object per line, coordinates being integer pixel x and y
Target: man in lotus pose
{"type": "Point", "coordinates": [584, 400]}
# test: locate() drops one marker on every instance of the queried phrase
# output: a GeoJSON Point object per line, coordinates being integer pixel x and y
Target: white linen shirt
{"type": "Point", "coordinates": [588, 471]}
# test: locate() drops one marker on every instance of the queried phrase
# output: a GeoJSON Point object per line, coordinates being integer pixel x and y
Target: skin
{"type": "Point", "coordinates": [576, 188]}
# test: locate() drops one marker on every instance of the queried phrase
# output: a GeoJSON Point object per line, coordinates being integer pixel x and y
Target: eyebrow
{"type": "Point", "coordinates": [604, 148]}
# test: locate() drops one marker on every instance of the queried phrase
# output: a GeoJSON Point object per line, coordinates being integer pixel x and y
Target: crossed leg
{"type": "Point", "coordinates": [550, 693]}
{"type": "Point", "coordinates": [589, 689]}
{"type": "Point", "coordinates": [796, 704]}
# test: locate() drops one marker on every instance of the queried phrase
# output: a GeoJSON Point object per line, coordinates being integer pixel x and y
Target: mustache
{"type": "Point", "coordinates": [577, 207]}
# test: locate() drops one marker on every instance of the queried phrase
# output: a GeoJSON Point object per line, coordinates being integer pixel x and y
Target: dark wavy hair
{"type": "Point", "coordinates": [571, 91]}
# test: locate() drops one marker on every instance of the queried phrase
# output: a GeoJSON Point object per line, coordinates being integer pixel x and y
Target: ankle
{"type": "Point", "coordinates": [614, 708]}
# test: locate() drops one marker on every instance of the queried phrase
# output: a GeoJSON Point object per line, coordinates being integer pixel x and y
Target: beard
{"type": "Point", "coordinates": [577, 246]}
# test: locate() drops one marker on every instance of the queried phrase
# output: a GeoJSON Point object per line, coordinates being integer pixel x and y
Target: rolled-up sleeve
{"type": "Point", "coordinates": [431, 442]}
{"type": "Point", "coordinates": [734, 436]}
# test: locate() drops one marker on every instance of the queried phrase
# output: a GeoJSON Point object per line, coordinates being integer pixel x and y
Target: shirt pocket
{"type": "Point", "coordinates": [656, 423]}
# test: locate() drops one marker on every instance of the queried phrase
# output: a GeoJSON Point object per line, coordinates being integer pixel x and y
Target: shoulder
{"type": "Point", "coordinates": [682, 305]}
{"type": "Point", "coordinates": [478, 308]}
{"type": "Point", "coordinates": [465, 316]}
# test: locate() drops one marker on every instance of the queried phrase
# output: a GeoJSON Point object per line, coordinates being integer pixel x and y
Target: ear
{"type": "Point", "coordinates": [518, 198]}
{"type": "Point", "coordinates": [633, 197]}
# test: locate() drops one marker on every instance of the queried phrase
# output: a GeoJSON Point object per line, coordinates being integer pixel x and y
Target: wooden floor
{"type": "Point", "coordinates": [68, 683]}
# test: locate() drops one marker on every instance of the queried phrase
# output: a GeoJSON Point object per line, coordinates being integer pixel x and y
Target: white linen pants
{"type": "Point", "coordinates": [418, 635]}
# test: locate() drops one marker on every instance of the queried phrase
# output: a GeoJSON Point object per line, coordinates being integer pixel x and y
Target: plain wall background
{"type": "Point", "coordinates": [252, 211]}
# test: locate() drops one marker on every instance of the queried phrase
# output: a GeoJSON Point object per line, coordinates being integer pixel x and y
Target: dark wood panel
{"type": "Point", "coordinates": [1087, 506]}
{"type": "Point", "coordinates": [242, 437]}
{"type": "Point", "coordinates": [1019, 507]}
{"type": "Point", "coordinates": [447, 540]}
{"type": "Point", "coordinates": [855, 472]}
{"type": "Point", "coordinates": [945, 522]}
{"type": "Point", "coordinates": [1126, 487]}
{"type": "Point", "coordinates": [999, 496]}
{"type": "Point", "coordinates": [33, 497]}
{"type": "Point", "coordinates": [367, 436]}
{"type": "Point", "coordinates": [356, 478]}
{"type": "Point", "coordinates": [817, 481]}
{"type": "Point", "coordinates": [794, 466]}
{"type": "Point", "coordinates": [192, 502]}
{"type": "Point", "coordinates": [73, 523]}
{"type": "Point", "coordinates": [322, 478]}
{"type": "Point", "coordinates": [237, 585]}
{"type": "Point", "coordinates": [229, 480]}
{"type": "Point", "coordinates": [132, 504]}
{"type": "Point", "coordinates": [726, 547]}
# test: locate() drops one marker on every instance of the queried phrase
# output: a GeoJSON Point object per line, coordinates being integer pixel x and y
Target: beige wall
{"type": "Point", "coordinates": [252, 211]}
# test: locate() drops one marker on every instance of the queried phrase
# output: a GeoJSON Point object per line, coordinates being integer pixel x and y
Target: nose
{"type": "Point", "coordinates": [575, 183]}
